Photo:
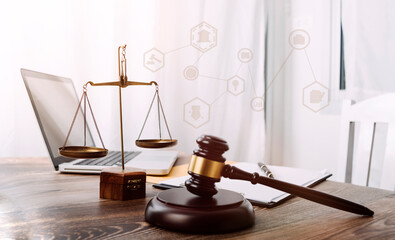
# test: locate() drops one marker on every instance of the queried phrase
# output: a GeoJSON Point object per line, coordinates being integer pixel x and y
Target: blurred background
{"type": "Point", "coordinates": [275, 78]}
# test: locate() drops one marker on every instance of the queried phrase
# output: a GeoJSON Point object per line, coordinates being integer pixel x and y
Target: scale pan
{"type": "Point", "coordinates": [82, 152]}
{"type": "Point", "coordinates": [156, 143]}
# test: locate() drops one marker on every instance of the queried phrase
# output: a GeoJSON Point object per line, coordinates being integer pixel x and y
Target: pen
{"type": "Point", "coordinates": [164, 186]}
{"type": "Point", "coordinates": [266, 170]}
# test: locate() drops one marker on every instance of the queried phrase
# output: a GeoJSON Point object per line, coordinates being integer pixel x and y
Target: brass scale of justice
{"type": "Point", "coordinates": [96, 152]}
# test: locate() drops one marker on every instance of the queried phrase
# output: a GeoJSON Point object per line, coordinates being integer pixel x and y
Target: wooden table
{"type": "Point", "coordinates": [38, 203]}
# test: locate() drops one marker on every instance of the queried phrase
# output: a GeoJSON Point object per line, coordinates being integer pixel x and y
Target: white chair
{"type": "Point", "coordinates": [367, 144]}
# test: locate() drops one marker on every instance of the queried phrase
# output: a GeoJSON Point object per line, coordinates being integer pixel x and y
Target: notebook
{"type": "Point", "coordinates": [258, 194]}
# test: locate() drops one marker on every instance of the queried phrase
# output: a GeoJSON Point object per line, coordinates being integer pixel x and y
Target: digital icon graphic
{"type": "Point", "coordinates": [196, 112]}
{"type": "Point", "coordinates": [257, 104]}
{"type": "Point", "coordinates": [154, 60]}
{"type": "Point", "coordinates": [203, 37]}
{"type": "Point", "coordinates": [299, 39]}
{"type": "Point", "coordinates": [245, 55]}
{"type": "Point", "coordinates": [315, 96]}
{"type": "Point", "coordinates": [191, 72]}
{"type": "Point", "coordinates": [236, 85]}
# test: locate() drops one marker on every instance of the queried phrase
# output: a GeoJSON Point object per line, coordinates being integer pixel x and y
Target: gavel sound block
{"type": "Point", "coordinates": [201, 208]}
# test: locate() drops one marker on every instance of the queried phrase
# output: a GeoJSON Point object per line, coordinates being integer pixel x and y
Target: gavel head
{"type": "Point", "coordinates": [206, 166]}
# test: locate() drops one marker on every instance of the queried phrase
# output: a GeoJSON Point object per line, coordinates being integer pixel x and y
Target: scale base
{"type": "Point", "coordinates": [118, 184]}
{"type": "Point", "coordinates": [179, 210]}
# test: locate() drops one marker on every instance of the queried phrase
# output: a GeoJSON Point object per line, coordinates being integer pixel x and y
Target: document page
{"type": "Point", "coordinates": [259, 193]}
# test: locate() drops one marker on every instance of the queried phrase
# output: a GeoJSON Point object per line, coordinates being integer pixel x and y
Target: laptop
{"type": "Point", "coordinates": [54, 100]}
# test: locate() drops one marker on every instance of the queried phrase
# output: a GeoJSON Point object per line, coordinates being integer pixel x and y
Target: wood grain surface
{"type": "Point", "coordinates": [38, 203]}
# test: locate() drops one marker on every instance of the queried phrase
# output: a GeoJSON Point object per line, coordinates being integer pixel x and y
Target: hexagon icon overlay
{"type": "Point", "coordinates": [204, 37]}
{"type": "Point", "coordinates": [196, 112]}
{"type": "Point", "coordinates": [154, 60]}
{"type": "Point", "coordinates": [236, 85]}
{"type": "Point", "coordinates": [315, 96]}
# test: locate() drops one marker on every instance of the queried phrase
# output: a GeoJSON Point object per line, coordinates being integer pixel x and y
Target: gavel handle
{"type": "Point", "coordinates": [303, 192]}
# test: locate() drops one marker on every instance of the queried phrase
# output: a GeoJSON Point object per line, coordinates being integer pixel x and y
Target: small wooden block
{"type": "Point", "coordinates": [118, 184]}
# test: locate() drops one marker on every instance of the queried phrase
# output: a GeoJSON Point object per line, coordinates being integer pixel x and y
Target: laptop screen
{"type": "Point", "coordinates": [55, 102]}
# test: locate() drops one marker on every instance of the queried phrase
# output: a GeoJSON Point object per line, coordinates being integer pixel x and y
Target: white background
{"type": "Point", "coordinates": [78, 39]}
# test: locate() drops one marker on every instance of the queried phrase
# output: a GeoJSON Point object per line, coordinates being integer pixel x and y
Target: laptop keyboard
{"type": "Point", "coordinates": [112, 158]}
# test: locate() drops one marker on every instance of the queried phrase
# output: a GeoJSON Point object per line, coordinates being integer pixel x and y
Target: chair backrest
{"type": "Point", "coordinates": [367, 144]}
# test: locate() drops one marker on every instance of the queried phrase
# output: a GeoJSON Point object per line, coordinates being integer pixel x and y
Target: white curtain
{"type": "Point", "coordinates": [222, 40]}
{"type": "Point", "coordinates": [369, 48]}
{"type": "Point", "coordinates": [296, 135]}
{"type": "Point", "coordinates": [238, 25]}
{"type": "Point", "coordinates": [299, 134]}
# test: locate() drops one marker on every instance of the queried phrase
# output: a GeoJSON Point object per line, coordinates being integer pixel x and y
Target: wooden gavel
{"type": "Point", "coordinates": [207, 166]}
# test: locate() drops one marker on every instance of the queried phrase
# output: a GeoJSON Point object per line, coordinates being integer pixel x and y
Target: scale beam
{"type": "Point", "coordinates": [121, 84]}
{"type": "Point", "coordinates": [84, 151]}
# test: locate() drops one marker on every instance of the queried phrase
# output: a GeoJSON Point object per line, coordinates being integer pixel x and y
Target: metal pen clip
{"type": "Point", "coordinates": [266, 170]}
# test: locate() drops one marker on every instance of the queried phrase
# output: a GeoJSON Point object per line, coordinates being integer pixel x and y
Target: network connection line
{"type": "Point", "coordinates": [203, 38]}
